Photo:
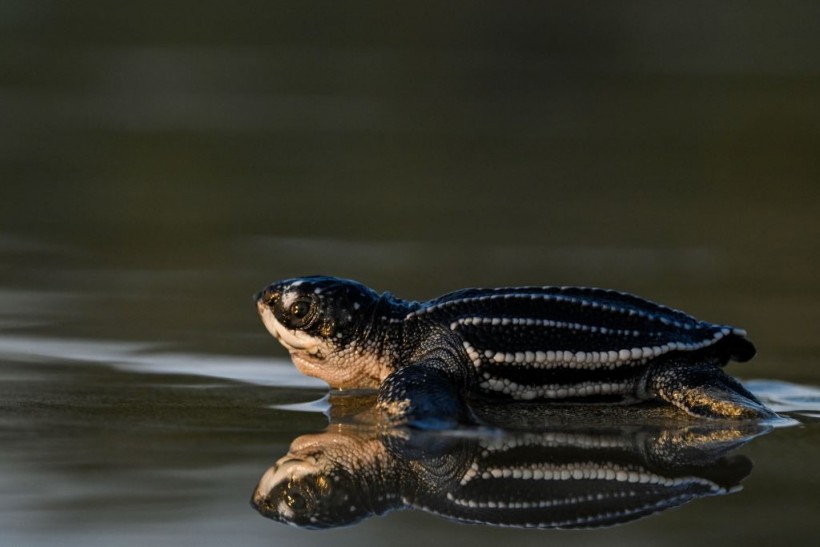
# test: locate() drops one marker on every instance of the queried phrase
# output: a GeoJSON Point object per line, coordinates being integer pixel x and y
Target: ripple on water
{"type": "Point", "coordinates": [786, 397]}
{"type": "Point", "coordinates": [143, 357]}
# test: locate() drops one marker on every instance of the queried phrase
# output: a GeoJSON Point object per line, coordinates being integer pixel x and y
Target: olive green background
{"type": "Point", "coordinates": [162, 161]}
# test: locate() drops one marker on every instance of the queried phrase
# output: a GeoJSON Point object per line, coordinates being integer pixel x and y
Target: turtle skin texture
{"type": "Point", "coordinates": [428, 360]}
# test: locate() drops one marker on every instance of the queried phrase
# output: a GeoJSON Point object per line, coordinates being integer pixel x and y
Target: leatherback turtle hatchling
{"type": "Point", "coordinates": [565, 344]}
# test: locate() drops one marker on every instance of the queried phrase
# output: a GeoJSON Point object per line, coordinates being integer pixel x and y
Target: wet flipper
{"type": "Point", "coordinates": [424, 396]}
{"type": "Point", "coordinates": [704, 391]}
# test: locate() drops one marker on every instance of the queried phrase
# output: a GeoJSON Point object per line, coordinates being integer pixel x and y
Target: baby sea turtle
{"type": "Point", "coordinates": [567, 344]}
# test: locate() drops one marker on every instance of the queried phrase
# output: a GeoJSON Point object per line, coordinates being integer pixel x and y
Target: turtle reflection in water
{"type": "Point", "coordinates": [562, 344]}
{"type": "Point", "coordinates": [566, 478]}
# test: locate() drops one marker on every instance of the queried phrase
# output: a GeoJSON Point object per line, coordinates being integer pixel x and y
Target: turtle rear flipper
{"type": "Point", "coordinates": [738, 347]}
{"type": "Point", "coordinates": [704, 390]}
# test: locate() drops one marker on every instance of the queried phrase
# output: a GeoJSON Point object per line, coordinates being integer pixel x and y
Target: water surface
{"type": "Point", "coordinates": [114, 439]}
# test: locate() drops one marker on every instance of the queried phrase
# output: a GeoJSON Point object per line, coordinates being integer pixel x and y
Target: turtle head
{"type": "Point", "coordinates": [322, 322]}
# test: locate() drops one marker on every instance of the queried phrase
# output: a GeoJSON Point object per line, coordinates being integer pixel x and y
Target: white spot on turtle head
{"type": "Point", "coordinates": [289, 297]}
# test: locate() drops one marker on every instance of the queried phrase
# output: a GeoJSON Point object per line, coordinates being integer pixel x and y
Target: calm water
{"type": "Point", "coordinates": [158, 166]}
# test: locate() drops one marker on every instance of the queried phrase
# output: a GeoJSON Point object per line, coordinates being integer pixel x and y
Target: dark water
{"type": "Point", "coordinates": [160, 163]}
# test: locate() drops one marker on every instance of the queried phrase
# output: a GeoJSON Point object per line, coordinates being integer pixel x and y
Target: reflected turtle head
{"type": "Point", "coordinates": [306, 494]}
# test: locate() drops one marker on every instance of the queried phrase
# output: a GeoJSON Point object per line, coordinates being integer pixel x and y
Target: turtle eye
{"type": "Point", "coordinates": [300, 309]}
{"type": "Point", "coordinates": [296, 500]}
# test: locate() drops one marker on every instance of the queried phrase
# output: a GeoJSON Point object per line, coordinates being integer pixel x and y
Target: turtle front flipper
{"type": "Point", "coordinates": [703, 390]}
{"type": "Point", "coordinates": [423, 395]}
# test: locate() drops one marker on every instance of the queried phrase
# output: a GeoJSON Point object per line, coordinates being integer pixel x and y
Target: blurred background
{"type": "Point", "coordinates": [420, 148]}
{"type": "Point", "coordinates": [162, 161]}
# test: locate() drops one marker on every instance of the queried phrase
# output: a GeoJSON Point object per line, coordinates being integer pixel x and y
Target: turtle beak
{"type": "Point", "coordinates": [260, 300]}
{"type": "Point", "coordinates": [266, 295]}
